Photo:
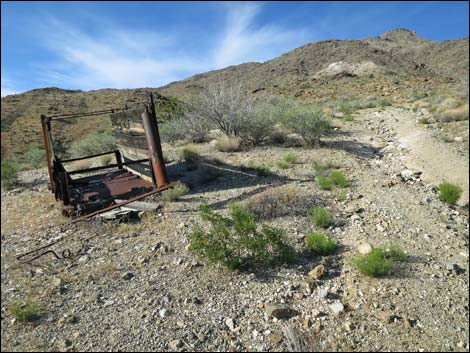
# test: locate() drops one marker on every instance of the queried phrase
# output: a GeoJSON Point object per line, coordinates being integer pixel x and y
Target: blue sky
{"type": "Point", "coordinates": [92, 45]}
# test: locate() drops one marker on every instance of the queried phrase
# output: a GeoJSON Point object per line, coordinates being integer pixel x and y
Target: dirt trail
{"type": "Point", "coordinates": [436, 159]}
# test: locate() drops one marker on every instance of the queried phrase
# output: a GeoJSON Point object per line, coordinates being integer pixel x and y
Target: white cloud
{"type": "Point", "coordinates": [6, 87]}
{"type": "Point", "coordinates": [118, 57]}
{"type": "Point", "coordinates": [243, 41]}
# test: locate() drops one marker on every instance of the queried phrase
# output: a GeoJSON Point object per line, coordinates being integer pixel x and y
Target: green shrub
{"type": "Point", "coordinates": [378, 262]}
{"type": "Point", "coordinates": [374, 264]}
{"type": "Point", "coordinates": [235, 241]}
{"type": "Point", "coordinates": [324, 183]}
{"type": "Point", "coordinates": [36, 157]}
{"type": "Point", "coordinates": [290, 158]}
{"type": "Point", "coordinates": [349, 118]}
{"type": "Point", "coordinates": [307, 120]}
{"type": "Point", "coordinates": [93, 143]}
{"type": "Point", "coordinates": [9, 174]}
{"type": "Point", "coordinates": [25, 312]}
{"type": "Point", "coordinates": [191, 156]}
{"type": "Point", "coordinates": [283, 165]}
{"type": "Point", "coordinates": [338, 178]}
{"type": "Point", "coordinates": [321, 217]}
{"type": "Point", "coordinates": [320, 244]}
{"type": "Point", "coordinates": [175, 192]}
{"type": "Point", "coordinates": [384, 102]}
{"type": "Point", "coordinates": [449, 193]}
{"type": "Point", "coordinates": [258, 125]}
{"type": "Point", "coordinates": [424, 121]}
{"type": "Point", "coordinates": [341, 194]}
{"type": "Point", "coordinates": [172, 130]}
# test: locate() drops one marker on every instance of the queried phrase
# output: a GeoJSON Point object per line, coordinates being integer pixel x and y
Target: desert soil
{"type": "Point", "coordinates": [138, 287]}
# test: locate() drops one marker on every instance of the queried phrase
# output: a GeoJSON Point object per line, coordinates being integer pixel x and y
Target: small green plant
{"type": "Point", "coordinates": [236, 241]}
{"type": "Point", "coordinates": [321, 244]}
{"type": "Point", "coordinates": [341, 194]}
{"type": "Point", "coordinates": [191, 156]}
{"type": "Point", "coordinates": [325, 183]}
{"type": "Point", "coordinates": [290, 158]}
{"type": "Point", "coordinates": [378, 262]}
{"type": "Point", "coordinates": [175, 192]}
{"type": "Point", "coordinates": [374, 264]}
{"type": "Point", "coordinates": [449, 193]}
{"type": "Point", "coordinates": [9, 174]}
{"type": "Point", "coordinates": [321, 217]}
{"type": "Point", "coordinates": [36, 157]}
{"type": "Point", "coordinates": [338, 178]}
{"type": "Point", "coordinates": [349, 117]}
{"type": "Point", "coordinates": [261, 170]}
{"type": "Point", "coordinates": [25, 312]}
{"type": "Point", "coordinates": [283, 165]}
{"type": "Point", "coordinates": [424, 121]}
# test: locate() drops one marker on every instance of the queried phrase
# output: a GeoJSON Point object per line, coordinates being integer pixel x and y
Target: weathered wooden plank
{"type": "Point", "coordinates": [135, 141]}
{"type": "Point", "coordinates": [126, 116]}
{"type": "Point", "coordinates": [141, 169]}
{"type": "Point", "coordinates": [132, 152]}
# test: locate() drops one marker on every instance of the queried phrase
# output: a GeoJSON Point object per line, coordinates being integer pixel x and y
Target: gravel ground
{"type": "Point", "coordinates": [137, 287]}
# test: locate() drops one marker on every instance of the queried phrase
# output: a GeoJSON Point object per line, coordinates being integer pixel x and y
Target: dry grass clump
{"type": "Point", "coordinates": [453, 114]}
{"type": "Point", "coordinates": [175, 192]}
{"type": "Point", "coordinates": [228, 144]}
{"type": "Point", "coordinates": [280, 201]}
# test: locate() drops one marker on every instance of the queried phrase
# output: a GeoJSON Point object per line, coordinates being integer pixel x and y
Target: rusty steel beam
{"type": "Point", "coordinates": [155, 149]}
{"type": "Point", "coordinates": [88, 157]}
{"type": "Point", "coordinates": [107, 166]}
{"type": "Point", "coordinates": [64, 188]}
{"type": "Point", "coordinates": [46, 130]}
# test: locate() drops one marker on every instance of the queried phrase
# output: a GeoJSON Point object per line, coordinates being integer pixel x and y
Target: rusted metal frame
{"type": "Point", "coordinates": [109, 208]}
{"type": "Point", "coordinates": [46, 134]}
{"type": "Point", "coordinates": [88, 157]}
{"type": "Point", "coordinates": [64, 188]}
{"type": "Point", "coordinates": [81, 115]}
{"type": "Point", "coordinates": [106, 166]}
{"type": "Point", "coordinates": [119, 159]}
{"type": "Point", "coordinates": [155, 149]}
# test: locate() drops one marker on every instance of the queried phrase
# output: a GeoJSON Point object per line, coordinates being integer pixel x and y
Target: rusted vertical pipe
{"type": "Point", "coordinates": [155, 149]}
{"type": "Point", "coordinates": [64, 188]}
{"type": "Point", "coordinates": [46, 129]}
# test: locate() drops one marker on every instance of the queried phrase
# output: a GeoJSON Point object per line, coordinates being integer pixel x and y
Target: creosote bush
{"type": "Point", "coordinates": [25, 312]}
{"type": "Point", "coordinates": [237, 241]}
{"type": "Point", "coordinates": [321, 244]}
{"type": "Point", "coordinates": [449, 193]}
{"type": "Point", "coordinates": [321, 217]}
{"type": "Point", "coordinates": [93, 143]}
{"type": "Point", "coordinates": [379, 261]}
{"type": "Point", "coordinates": [288, 160]}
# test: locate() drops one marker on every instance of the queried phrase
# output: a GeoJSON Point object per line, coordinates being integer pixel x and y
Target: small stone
{"type": "Point", "coordinates": [317, 272]}
{"type": "Point", "coordinates": [364, 248]}
{"type": "Point", "coordinates": [456, 269]}
{"type": "Point", "coordinates": [127, 275]}
{"type": "Point", "coordinates": [337, 308]}
{"type": "Point", "coordinates": [164, 313]}
{"type": "Point", "coordinates": [64, 344]}
{"type": "Point", "coordinates": [230, 324]}
{"type": "Point", "coordinates": [275, 339]}
{"type": "Point", "coordinates": [175, 344]}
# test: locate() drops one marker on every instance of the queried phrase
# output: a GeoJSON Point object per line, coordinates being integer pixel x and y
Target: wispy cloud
{"type": "Point", "coordinates": [244, 41]}
{"type": "Point", "coordinates": [98, 53]}
{"type": "Point", "coordinates": [6, 87]}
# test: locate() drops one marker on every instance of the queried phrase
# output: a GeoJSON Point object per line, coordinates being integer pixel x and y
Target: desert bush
{"type": "Point", "coordinates": [36, 157]}
{"type": "Point", "coordinates": [9, 173]}
{"type": "Point", "coordinates": [191, 156]}
{"type": "Point", "coordinates": [258, 125]}
{"type": "Point", "coordinates": [324, 167]}
{"type": "Point", "coordinates": [280, 201]}
{"type": "Point", "coordinates": [279, 134]}
{"type": "Point", "coordinates": [449, 193]}
{"type": "Point", "coordinates": [236, 241]}
{"type": "Point", "coordinates": [424, 121]}
{"type": "Point", "coordinates": [172, 130]}
{"type": "Point", "coordinates": [93, 143]}
{"type": "Point", "coordinates": [25, 312]}
{"type": "Point", "coordinates": [456, 114]}
{"type": "Point", "coordinates": [324, 183]}
{"type": "Point", "coordinates": [338, 178]}
{"type": "Point", "coordinates": [228, 144]}
{"type": "Point", "coordinates": [174, 193]}
{"type": "Point", "coordinates": [321, 217]}
{"type": "Point", "coordinates": [307, 120]}
{"type": "Point", "coordinates": [283, 165]}
{"type": "Point", "coordinates": [321, 244]}
{"type": "Point", "coordinates": [384, 102]}
{"type": "Point", "coordinates": [290, 158]}
{"type": "Point", "coordinates": [378, 262]}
